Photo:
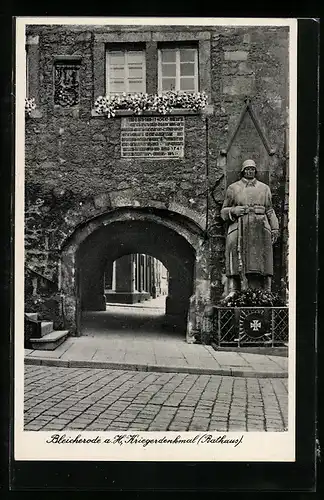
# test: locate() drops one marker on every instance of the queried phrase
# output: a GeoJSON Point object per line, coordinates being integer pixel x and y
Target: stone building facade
{"type": "Point", "coordinates": [90, 200]}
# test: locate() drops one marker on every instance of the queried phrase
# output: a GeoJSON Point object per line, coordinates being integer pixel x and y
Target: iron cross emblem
{"type": "Point", "coordinates": [255, 325]}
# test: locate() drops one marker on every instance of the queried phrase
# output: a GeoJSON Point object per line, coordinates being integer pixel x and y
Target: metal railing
{"type": "Point", "coordinates": [248, 326]}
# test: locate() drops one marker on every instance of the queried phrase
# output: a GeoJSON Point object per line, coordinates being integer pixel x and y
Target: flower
{"type": "Point", "coordinates": [30, 105]}
{"type": "Point", "coordinates": [161, 103]}
{"type": "Point", "coordinates": [252, 298]}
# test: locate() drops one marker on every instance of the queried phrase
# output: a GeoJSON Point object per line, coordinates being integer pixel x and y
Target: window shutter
{"type": "Point", "coordinates": [136, 71]}
{"type": "Point", "coordinates": [116, 72]}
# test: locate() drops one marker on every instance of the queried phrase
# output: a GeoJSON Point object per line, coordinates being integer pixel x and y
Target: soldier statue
{"type": "Point", "coordinates": [252, 230]}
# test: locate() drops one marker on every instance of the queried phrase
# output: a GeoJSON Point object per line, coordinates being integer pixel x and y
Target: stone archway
{"type": "Point", "coordinates": [177, 241]}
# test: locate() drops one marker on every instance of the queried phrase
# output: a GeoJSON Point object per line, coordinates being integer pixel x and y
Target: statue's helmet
{"type": "Point", "coordinates": [248, 163]}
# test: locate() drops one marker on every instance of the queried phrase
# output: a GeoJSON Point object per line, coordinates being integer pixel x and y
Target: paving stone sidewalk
{"type": "Point", "coordinates": [165, 354]}
{"type": "Point", "coordinates": [60, 398]}
{"type": "Point", "coordinates": [134, 337]}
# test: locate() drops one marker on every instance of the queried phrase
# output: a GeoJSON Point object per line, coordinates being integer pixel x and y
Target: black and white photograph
{"type": "Point", "coordinates": [155, 221]}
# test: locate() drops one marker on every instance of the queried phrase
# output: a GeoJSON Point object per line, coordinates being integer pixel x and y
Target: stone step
{"type": "Point", "coordinates": [50, 341]}
{"type": "Point", "coordinates": [46, 327]}
{"type": "Point", "coordinates": [32, 316]}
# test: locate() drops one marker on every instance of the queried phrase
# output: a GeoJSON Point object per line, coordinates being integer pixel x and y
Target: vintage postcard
{"type": "Point", "coordinates": [155, 239]}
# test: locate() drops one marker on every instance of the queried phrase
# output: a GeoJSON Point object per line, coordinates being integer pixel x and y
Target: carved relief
{"type": "Point", "coordinates": [67, 83]}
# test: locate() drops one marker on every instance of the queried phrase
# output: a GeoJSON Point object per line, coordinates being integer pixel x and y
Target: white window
{"type": "Point", "coordinates": [178, 69]}
{"type": "Point", "coordinates": [125, 71]}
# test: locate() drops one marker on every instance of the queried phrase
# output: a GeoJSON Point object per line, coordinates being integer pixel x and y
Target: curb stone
{"type": "Point", "coordinates": [154, 368]}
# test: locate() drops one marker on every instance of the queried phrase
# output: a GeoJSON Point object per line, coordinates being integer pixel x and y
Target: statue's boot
{"type": "Point", "coordinates": [267, 283]}
{"type": "Point", "coordinates": [232, 288]}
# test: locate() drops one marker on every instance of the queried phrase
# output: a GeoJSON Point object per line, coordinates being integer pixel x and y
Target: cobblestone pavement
{"type": "Point", "coordinates": [58, 398]}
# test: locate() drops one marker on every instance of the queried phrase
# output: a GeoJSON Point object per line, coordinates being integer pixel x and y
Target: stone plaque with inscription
{"type": "Point", "coordinates": [152, 137]}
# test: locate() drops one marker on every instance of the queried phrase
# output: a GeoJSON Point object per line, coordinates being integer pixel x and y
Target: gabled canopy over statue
{"type": "Point", "coordinates": [252, 230]}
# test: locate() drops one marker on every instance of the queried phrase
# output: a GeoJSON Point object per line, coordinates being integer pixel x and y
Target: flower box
{"type": "Point", "coordinates": [250, 326]}
{"type": "Point", "coordinates": [129, 112]}
{"type": "Point", "coordinates": [175, 111]}
{"type": "Point", "coordinates": [155, 104]}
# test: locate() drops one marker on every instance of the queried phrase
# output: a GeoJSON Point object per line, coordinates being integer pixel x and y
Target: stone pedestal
{"type": "Point", "coordinates": [123, 281]}
{"type": "Point", "coordinates": [126, 297]}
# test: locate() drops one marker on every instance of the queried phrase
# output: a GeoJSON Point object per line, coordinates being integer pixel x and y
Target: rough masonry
{"type": "Point", "coordinates": [80, 182]}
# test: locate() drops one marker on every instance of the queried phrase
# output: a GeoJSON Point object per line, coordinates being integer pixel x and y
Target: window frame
{"type": "Point", "coordinates": [177, 48]}
{"type": "Point", "coordinates": [32, 66]}
{"type": "Point", "coordinates": [32, 75]}
{"type": "Point", "coordinates": [125, 50]}
{"type": "Point", "coordinates": [27, 70]}
{"type": "Point", "coordinates": [151, 39]}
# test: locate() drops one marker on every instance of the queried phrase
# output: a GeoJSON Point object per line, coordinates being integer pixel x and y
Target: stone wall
{"type": "Point", "coordinates": [74, 169]}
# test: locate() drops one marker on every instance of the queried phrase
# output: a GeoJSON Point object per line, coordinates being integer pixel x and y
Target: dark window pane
{"type": "Point", "coordinates": [187, 55]}
{"type": "Point", "coordinates": [187, 84]}
{"type": "Point", "coordinates": [169, 70]}
{"type": "Point", "coordinates": [168, 84]}
{"type": "Point", "coordinates": [187, 69]}
{"type": "Point", "coordinates": [168, 55]}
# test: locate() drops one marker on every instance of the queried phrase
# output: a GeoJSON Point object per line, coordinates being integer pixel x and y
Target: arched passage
{"type": "Point", "coordinates": [178, 243]}
{"type": "Point", "coordinates": [111, 242]}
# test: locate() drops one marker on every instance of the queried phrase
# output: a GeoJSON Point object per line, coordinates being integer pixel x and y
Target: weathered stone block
{"type": "Point", "coordinates": [32, 40]}
{"type": "Point", "coordinates": [101, 200]}
{"type": "Point", "coordinates": [238, 85]}
{"type": "Point", "coordinates": [245, 68]}
{"type": "Point", "coordinates": [236, 55]}
{"type": "Point", "coordinates": [99, 138]}
{"type": "Point", "coordinates": [246, 38]}
{"type": "Point", "coordinates": [123, 198]}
